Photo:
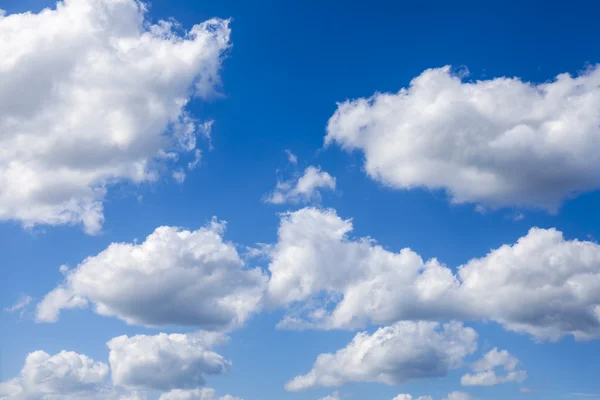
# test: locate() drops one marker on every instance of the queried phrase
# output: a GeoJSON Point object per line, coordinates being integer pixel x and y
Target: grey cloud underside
{"type": "Point", "coordinates": [543, 284]}
{"type": "Point", "coordinates": [174, 277]}
{"type": "Point", "coordinates": [402, 352]}
{"type": "Point", "coordinates": [175, 365]}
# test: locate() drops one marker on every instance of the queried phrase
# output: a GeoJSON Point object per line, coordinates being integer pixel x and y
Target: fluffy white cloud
{"type": "Point", "coordinates": [395, 354]}
{"type": "Point", "coordinates": [195, 394]}
{"type": "Point", "coordinates": [305, 189]}
{"type": "Point", "coordinates": [458, 396]}
{"type": "Point", "coordinates": [543, 284]}
{"type": "Point", "coordinates": [164, 362]}
{"type": "Point", "coordinates": [485, 369]}
{"type": "Point", "coordinates": [51, 377]}
{"type": "Point", "coordinates": [498, 142]}
{"type": "Point", "coordinates": [409, 397]}
{"type": "Point", "coordinates": [174, 277]}
{"type": "Point", "coordinates": [92, 94]}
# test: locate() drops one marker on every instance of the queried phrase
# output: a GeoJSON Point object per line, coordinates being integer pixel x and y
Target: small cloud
{"type": "Point", "coordinates": [291, 157]}
{"type": "Point", "coordinates": [197, 157]}
{"type": "Point", "coordinates": [486, 367]}
{"type": "Point", "coordinates": [20, 305]}
{"type": "Point", "coordinates": [179, 176]}
{"type": "Point", "coordinates": [64, 269]}
{"type": "Point", "coordinates": [259, 251]}
{"type": "Point", "coordinates": [305, 189]}
{"type": "Point", "coordinates": [526, 390]}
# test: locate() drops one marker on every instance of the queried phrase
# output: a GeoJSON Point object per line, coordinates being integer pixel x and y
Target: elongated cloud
{"type": "Point", "coordinates": [498, 143]}
{"type": "Point", "coordinates": [174, 277]}
{"type": "Point", "coordinates": [392, 355]}
{"type": "Point", "coordinates": [542, 284]}
{"type": "Point", "coordinates": [92, 94]}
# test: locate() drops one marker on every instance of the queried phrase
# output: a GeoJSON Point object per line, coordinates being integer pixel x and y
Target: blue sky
{"type": "Point", "coordinates": [282, 71]}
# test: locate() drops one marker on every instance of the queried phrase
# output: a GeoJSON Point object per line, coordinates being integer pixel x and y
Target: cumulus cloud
{"type": "Point", "coordinates": [399, 353]}
{"type": "Point", "coordinates": [543, 284]}
{"type": "Point", "coordinates": [65, 374]}
{"type": "Point", "coordinates": [305, 189]}
{"type": "Point", "coordinates": [499, 142]}
{"type": "Point", "coordinates": [486, 367]}
{"type": "Point", "coordinates": [143, 363]}
{"type": "Point", "coordinates": [175, 277]}
{"type": "Point", "coordinates": [458, 396]}
{"type": "Point", "coordinates": [195, 394]}
{"type": "Point", "coordinates": [164, 362]}
{"type": "Point", "coordinates": [92, 94]}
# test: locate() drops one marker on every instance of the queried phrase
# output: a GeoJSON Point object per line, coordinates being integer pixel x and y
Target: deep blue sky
{"type": "Point", "coordinates": [289, 65]}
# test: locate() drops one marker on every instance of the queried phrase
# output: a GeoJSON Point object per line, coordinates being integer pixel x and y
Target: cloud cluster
{"type": "Point", "coordinates": [92, 94]}
{"type": "Point", "coordinates": [399, 353]}
{"type": "Point", "coordinates": [498, 142]}
{"type": "Point", "coordinates": [43, 376]}
{"type": "Point", "coordinates": [304, 189]}
{"type": "Point", "coordinates": [542, 285]}
{"type": "Point", "coordinates": [175, 365]}
{"type": "Point", "coordinates": [485, 370]}
{"type": "Point", "coordinates": [174, 277]}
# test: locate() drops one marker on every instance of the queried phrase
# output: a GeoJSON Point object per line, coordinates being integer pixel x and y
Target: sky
{"type": "Point", "coordinates": [299, 200]}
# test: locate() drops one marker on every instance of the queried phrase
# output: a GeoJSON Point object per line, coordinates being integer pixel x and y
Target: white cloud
{"type": "Point", "coordinates": [409, 397]}
{"type": "Point", "coordinates": [164, 362]}
{"type": "Point", "coordinates": [179, 176]}
{"type": "Point", "coordinates": [291, 157]}
{"type": "Point", "coordinates": [175, 276]}
{"type": "Point", "coordinates": [458, 396]}
{"type": "Point", "coordinates": [195, 394]}
{"type": "Point", "coordinates": [305, 189]}
{"type": "Point", "coordinates": [392, 355]}
{"type": "Point", "coordinates": [104, 103]}
{"type": "Point", "coordinates": [499, 142]}
{"type": "Point", "coordinates": [45, 377]}
{"type": "Point", "coordinates": [543, 284]}
{"type": "Point", "coordinates": [333, 396]}
{"type": "Point", "coordinates": [485, 369]}
{"type": "Point", "coordinates": [21, 303]}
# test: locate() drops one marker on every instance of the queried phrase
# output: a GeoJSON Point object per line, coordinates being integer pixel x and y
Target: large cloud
{"type": "Point", "coordinates": [47, 377]}
{"type": "Point", "coordinates": [543, 284]}
{"type": "Point", "coordinates": [395, 354]}
{"type": "Point", "coordinates": [174, 277]}
{"type": "Point", "coordinates": [485, 370]}
{"type": "Point", "coordinates": [92, 94]}
{"type": "Point", "coordinates": [164, 362]}
{"type": "Point", "coordinates": [140, 365]}
{"type": "Point", "coordinates": [499, 142]}
{"type": "Point", "coordinates": [304, 189]}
